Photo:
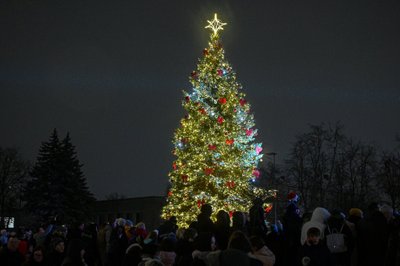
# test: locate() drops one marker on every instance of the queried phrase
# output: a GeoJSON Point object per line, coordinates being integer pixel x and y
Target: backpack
{"type": "Point", "coordinates": [335, 241]}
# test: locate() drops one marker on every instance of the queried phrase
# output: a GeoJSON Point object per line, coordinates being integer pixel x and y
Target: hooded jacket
{"type": "Point", "coordinates": [318, 220]}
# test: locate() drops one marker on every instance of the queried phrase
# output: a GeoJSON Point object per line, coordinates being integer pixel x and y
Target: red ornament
{"type": "Point", "coordinates": [169, 193]}
{"type": "Point", "coordinates": [268, 209]}
{"type": "Point", "coordinates": [230, 184]}
{"type": "Point", "coordinates": [202, 111]}
{"type": "Point", "coordinates": [187, 99]}
{"type": "Point", "coordinates": [220, 120]}
{"type": "Point", "coordinates": [184, 140]}
{"type": "Point", "coordinates": [249, 132]}
{"type": "Point", "coordinates": [256, 173]}
{"type": "Point", "coordinates": [220, 72]}
{"type": "Point", "coordinates": [230, 214]}
{"type": "Point", "coordinates": [174, 166]}
{"type": "Point", "coordinates": [222, 100]}
{"type": "Point", "coordinates": [205, 52]}
{"type": "Point", "coordinates": [200, 203]}
{"type": "Point", "coordinates": [208, 171]}
{"type": "Point", "coordinates": [242, 102]}
{"type": "Point", "coordinates": [229, 141]}
{"type": "Point", "coordinates": [212, 147]}
{"type": "Point", "coordinates": [184, 178]}
{"type": "Point", "coordinates": [194, 75]}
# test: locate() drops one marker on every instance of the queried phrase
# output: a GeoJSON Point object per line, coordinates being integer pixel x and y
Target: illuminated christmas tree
{"type": "Point", "coordinates": [217, 156]}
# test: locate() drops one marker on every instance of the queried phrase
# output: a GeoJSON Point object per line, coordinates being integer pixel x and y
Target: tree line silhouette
{"type": "Point", "coordinates": [326, 168]}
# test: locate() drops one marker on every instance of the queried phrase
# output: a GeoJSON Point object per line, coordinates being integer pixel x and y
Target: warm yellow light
{"type": "Point", "coordinates": [215, 25]}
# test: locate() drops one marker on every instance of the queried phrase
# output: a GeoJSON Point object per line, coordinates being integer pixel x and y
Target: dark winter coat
{"type": "Point", "coordinates": [292, 223]}
{"type": "Point", "coordinates": [118, 246]}
{"type": "Point", "coordinates": [319, 255]}
{"type": "Point", "coordinates": [257, 224]}
{"type": "Point", "coordinates": [222, 233]}
{"type": "Point", "coordinates": [184, 249]}
{"type": "Point", "coordinates": [372, 234]}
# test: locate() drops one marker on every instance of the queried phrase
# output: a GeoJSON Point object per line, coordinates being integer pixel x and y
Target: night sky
{"type": "Point", "coordinates": [112, 73]}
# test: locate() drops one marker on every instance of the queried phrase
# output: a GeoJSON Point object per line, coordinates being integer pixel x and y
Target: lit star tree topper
{"type": "Point", "coordinates": [215, 25]}
{"type": "Point", "coordinates": [216, 153]}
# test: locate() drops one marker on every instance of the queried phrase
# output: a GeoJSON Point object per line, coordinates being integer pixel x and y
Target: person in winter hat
{"type": "Point", "coordinates": [356, 212]}
{"type": "Point", "coordinates": [129, 229]}
{"type": "Point", "coordinates": [293, 197]}
{"type": "Point", "coordinates": [140, 233]}
{"type": "Point", "coordinates": [292, 223]}
{"type": "Point", "coordinates": [318, 220]}
{"type": "Point", "coordinates": [292, 210]}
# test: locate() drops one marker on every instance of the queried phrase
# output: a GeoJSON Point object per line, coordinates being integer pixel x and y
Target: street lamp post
{"type": "Point", "coordinates": [273, 154]}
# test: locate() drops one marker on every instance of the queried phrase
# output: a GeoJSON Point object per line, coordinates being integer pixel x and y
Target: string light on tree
{"type": "Point", "coordinates": [217, 156]}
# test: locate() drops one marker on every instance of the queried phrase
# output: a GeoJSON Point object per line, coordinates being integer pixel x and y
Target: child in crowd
{"type": "Point", "coordinates": [313, 252]}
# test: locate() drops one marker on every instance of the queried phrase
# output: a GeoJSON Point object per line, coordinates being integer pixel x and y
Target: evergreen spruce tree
{"type": "Point", "coordinates": [75, 183]}
{"type": "Point", "coordinates": [57, 186]}
{"type": "Point", "coordinates": [217, 156]}
{"type": "Point", "coordinates": [40, 194]}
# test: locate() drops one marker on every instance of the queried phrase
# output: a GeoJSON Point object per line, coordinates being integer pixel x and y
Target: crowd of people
{"type": "Point", "coordinates": [323, 237]}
